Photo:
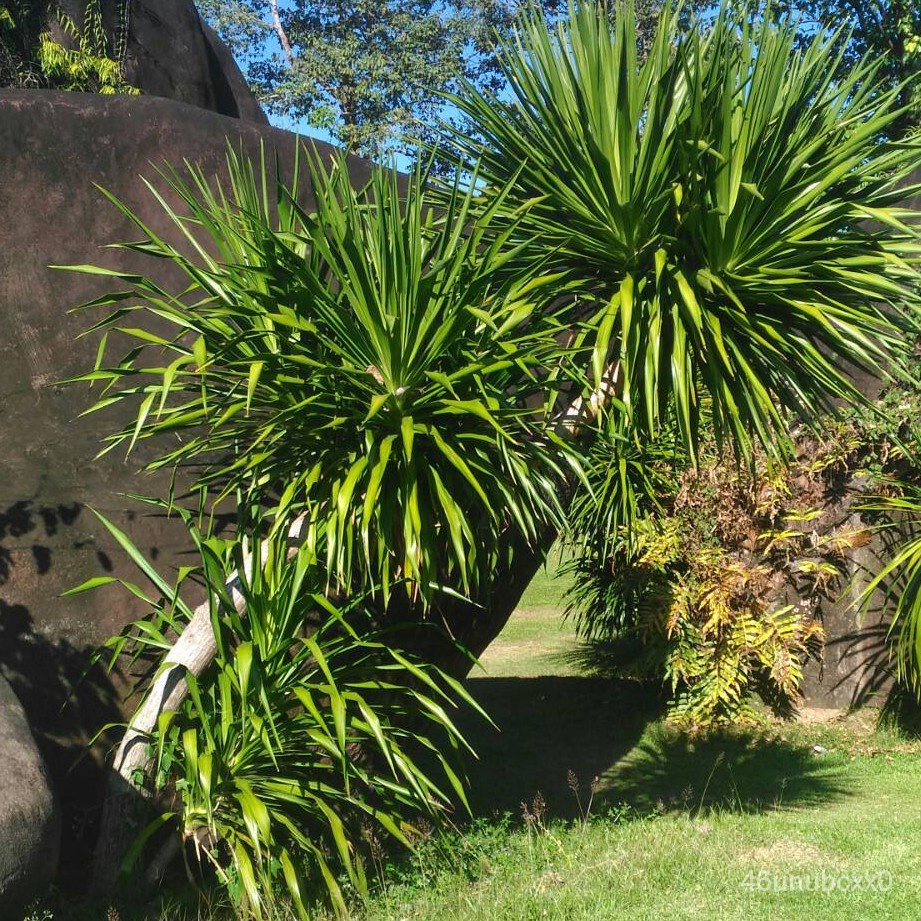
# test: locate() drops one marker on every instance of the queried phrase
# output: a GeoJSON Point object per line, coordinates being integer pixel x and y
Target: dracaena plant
{"type": "Point", "coordinates": [357, 356]}
{"type": "Point", "coordinates": [375, 372]}
{"type": "Point", "coordinates": [723, 214]}
{"type": "Point", "coordinates": [301, 745]}
{"type": "Point", "coordinates": [896, 588]}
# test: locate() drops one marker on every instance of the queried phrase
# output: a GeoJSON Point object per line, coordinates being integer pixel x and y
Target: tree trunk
{"type": "Point", "coordinates": [475, 625]}
{"type": "Point", "coordinates": [123, 811]}
{"type": "Point", "coordinates": [124, 806]}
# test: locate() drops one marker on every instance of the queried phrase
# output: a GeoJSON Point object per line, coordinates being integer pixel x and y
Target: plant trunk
{"type": "Point", "coordinates": [123, 810]}
{"type": "Point", "coordinates": [124, 806]}
{"type": "Point", "coordinates": [475, 626]}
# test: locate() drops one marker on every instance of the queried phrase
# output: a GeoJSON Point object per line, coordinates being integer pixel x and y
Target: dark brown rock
{"type": "Point", "coordinates": [855, 668]}
{"type": "Point", "coordinates": [29, 824]}
{"type": "Point", "coordinates": [53, 148]}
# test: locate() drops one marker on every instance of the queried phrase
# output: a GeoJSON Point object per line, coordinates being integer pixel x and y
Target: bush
{"type": "Point", "coordinates": [309, 739]}
{"type": "Point", "coordinates": [698, 576]}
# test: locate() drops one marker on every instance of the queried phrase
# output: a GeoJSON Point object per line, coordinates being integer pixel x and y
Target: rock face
{"type": "Point", "coordinates": [171, 52]}
{"type": "Point", "coordinates": [53, 148]}
{"type": "Point", "coordinates": [29, 826]}
{"type": "Point", "coordinates": [854, 669]}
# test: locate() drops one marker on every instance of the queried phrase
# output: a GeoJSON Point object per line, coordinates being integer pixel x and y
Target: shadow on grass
{"type": "Point", "coordinates": [610, 659]}
{"type": "Point", "coordinates": [552, 729]}
{"type": "Point", "coordinates": [549, 726]}
{"type": "Point", "coordinates": [736, 770]}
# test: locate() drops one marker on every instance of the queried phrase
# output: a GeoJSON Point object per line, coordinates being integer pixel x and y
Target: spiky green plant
{"type": "Point", "coordinates": [362, 357]}
{"type": "Point", "coordinates": [724, 209]}
{"type": "Point", "coordinates": [309, 738]}
{"type": "Point", "coordinates": [898, 582]}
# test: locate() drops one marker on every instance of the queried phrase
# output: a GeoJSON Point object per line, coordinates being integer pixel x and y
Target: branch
{"type": "Point", "coordinates": [282, 35]}
{"type": "Point", "coordinates": [581, 410]}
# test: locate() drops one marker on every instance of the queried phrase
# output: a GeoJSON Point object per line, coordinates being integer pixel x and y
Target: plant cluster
{"type": "Point", "coordinates": [20, 25]}
{"type": "Point", "coordinates": [310, 737]}
{"type": "Point", "coordinates": [701, 569]}
{"type": "Point", "coordinates": [415, 381]}
{"type": "Point", "coordinates": [371, 364]}
{"type": "Point", "coordinates": [695, 582]}
{"type": "Point", "coordinates": [87, 60]}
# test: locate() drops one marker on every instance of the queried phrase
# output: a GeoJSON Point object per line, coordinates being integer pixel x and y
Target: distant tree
{"type": "Point", "coordinates": [888, 28]}
{"type": "Point", "coordinates": [372, 72]}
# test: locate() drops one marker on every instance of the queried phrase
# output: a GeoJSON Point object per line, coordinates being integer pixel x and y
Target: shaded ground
{"type": "Point", "coordinates": [560, 736]}
{"type": "Point", "coordinates": [551, 729]}
{"type": "Point", "coordinates": [564, 728]}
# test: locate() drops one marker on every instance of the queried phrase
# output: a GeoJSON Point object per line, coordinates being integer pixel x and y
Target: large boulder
{"type": "Point", "coordinates": [854, 669]}
{"type": "Point", "coordinates": [54, 149]}
{"type": "Point", "coordinates": [29, 826]}
{"type": "Point", "coordinates": [171, 52]}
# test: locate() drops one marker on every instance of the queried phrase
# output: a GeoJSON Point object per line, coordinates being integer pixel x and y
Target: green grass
{"type": "Point", "coordinates": [537, 640]}
{"type": "Point", "coordinates": [693, 863]}
{"type": "Point", "coordinates": [534, 643]}
{"type": "Point", "coordinates": [678, 826]}
{"type": "Point", "coordinates": [547, 591]}
{"type": "Point", "coordinates": [587, 807]}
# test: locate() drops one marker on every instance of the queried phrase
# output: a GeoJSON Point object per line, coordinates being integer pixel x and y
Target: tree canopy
{"type": "Point", "coordinates": [372, 73]}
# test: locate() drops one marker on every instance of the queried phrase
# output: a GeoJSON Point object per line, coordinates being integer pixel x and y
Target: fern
{"type": "Point", "coordinates": [695, 575]}
{"type": "Point", "coordinates": [85, 66]}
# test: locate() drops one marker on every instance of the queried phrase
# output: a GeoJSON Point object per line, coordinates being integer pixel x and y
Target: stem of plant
{"type": "Point", "coordinates": [123, 808]}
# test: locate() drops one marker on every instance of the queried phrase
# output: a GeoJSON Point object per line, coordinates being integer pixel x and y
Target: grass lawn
{"type": "Point", "coordinates": [815, 820]}
{"type": "Point", "coordinates": [854, 824]}
{"type": "Point", "coordinates": [587, 806]}
{"type": "Point", "coordinates": [537, 640]}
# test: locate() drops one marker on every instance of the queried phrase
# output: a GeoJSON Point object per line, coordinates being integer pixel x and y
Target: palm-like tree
{"type": "Point", "coordinates": [725, 211]}
{"type": "Point", "coordinates": [367, 370]}
{"type": "Point", "coordinates": [715, 227]}
{"type": "Point", "coordinates": [369, 363]}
